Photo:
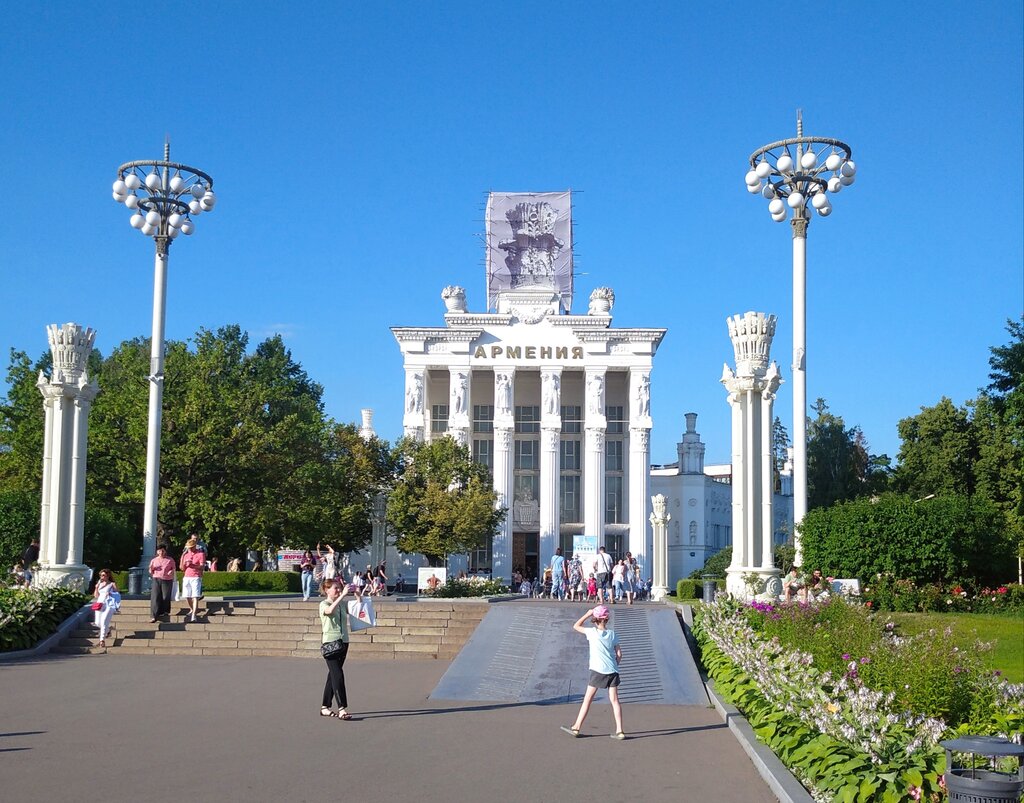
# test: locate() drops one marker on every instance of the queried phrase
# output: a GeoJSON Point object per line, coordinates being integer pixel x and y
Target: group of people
{"type": "Point", "coordinates": [805, 589]}
{"type": "Point", "coordinates": [599, 579]}
{"type": "Point", "coordinates": [327, 566]}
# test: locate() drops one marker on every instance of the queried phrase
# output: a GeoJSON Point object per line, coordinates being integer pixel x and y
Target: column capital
{"type": "Point", "coordinates": [800, 227]}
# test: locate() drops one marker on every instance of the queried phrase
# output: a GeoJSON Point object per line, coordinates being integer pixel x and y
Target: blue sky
{"type": "Point", "coordinates": [352, 145]}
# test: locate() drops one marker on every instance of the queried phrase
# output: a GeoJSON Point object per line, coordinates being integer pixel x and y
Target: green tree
{"type": "Point", "coordinates": [442, 503]}
{"type": "Point", "coordinates": [839, 463]}
{"type": "Point", "coordinates": [938, 452]}
{"type": "Point", "coordinates": [248, 458]}
{"type": "Point", "coordinates": [780, 451]}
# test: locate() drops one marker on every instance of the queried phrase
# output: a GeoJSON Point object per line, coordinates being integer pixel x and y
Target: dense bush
{"type": "Point", "coordinates": [946, 540]}
{"type": "Point", "coordinates": [694, 589]}
{"type": "Point", "coordinates": [19, 524]}
{"type": "Point", "coordinates": [471, 587]}
{"type": "Point", "coordinates": [715, 565]}
{"type": "Point", "coordinates": [109, 540]}
{"type": "Point", "coordinates": [29, 616]}
{"type": "Point", "coordinates": [283, 582]}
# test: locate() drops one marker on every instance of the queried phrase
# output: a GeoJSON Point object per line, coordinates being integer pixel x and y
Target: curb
{"type": "Point", "coordinates": [51, 641]}
{"type": "Point", "coordinates": [780, 780]}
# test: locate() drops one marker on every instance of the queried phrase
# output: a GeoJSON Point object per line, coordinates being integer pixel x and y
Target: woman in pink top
{"type": "Point", "coordinates": [193, 561]}
{"type": "Point", "coordinates": [161, 570]}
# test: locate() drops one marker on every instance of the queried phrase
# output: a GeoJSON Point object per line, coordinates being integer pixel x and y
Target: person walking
{"type": "Point", "coordinates": [618, 581]}
{"type": "Point", "coordinates": [334, 646]}
{"type": "Point", "coordinates": [193, 562]}
{"type": "Point", "coordinates": [306, 566]}
{"type": "Point", "coordinates": [29, 558]}
{"type": "Point", "coordinates": [161, 572]}
{"type": "Point", "coordinates": [605, 657]}
{"type": "Point", "coordinates": [603, 563]}
{"type": "Point", "coordinates": [103, 604]}
{"type": "Point", "coordinates": [575, 570]}
{"type": "Point", "coordinates": [557, 575]}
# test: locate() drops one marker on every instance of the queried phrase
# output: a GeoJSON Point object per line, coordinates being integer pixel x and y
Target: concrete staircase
{"type": "Point", "coordinates": [404, 630]}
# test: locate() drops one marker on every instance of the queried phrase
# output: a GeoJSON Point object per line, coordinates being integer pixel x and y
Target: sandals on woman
{"type": "Point", "coordinates": [327, 712]}
{"type": "Point", "coordinates": [345, 715]}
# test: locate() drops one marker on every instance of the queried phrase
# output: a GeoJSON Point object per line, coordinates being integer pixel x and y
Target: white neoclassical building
{"type": "Point", "coordinates": [556, 404]}
{"type": "Point", "coordinates": [700, 502]}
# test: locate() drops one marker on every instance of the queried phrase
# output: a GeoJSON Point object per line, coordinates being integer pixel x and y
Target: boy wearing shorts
{"type": "Point", "coordinates": [605, 656]}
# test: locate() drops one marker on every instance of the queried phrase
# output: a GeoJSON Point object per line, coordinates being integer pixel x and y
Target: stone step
{"type": "Point", "coordinates": [290, 628]}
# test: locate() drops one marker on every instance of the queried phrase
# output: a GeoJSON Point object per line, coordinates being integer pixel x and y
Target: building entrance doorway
{"type": "Point", "coordinates": [525, 553]}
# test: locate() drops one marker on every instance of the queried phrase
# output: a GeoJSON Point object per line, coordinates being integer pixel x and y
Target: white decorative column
{"type": "Point", "coordinates": [596, 425]}
{"type": "Point", "coordinates": [67, 399]}
{"type": "Point", "coordinates": [639, 466]}
{"type": "Point", "coordinates": [551, 435]}
{"type": "Point", "coordinates": [660, 518]}
{"type": "Point", "coordinates": [504, 424]}
{"type": "Point", "coordinates": [412, 421]}
{"type": "Point", "coordinates": [458, 404]}
{"type": "Point", "coordinates": [752, 390]}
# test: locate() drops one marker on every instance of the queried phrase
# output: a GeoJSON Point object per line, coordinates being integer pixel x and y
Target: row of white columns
{"type": "Point", "coordinates": [595, 428]}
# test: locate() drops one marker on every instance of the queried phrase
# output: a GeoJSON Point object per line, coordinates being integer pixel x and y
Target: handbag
{"type": "Point", "coordinates": [331, 648]}
{"type": "Point", "coordinates": [96, 606]}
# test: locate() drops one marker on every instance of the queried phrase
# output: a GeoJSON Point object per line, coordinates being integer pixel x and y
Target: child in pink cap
{"type": "Point", "coordinates": [605, 656]}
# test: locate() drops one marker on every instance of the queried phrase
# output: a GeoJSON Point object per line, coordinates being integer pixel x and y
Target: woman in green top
{"type": "Point", "coordinates": [334, 621]}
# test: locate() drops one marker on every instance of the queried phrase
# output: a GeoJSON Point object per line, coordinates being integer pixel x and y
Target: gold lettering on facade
{"type": "Point", "coordinates": [496, 352]}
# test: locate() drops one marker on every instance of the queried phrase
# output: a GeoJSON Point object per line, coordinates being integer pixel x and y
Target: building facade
{"type": "Point", "coordinates": [700, 500]}
{"type": "Point", "coordinates": [557, 405]}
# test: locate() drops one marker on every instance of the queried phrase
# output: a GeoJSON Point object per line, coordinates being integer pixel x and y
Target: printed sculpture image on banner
{"type": "Point", "coordinates": [529, 243]}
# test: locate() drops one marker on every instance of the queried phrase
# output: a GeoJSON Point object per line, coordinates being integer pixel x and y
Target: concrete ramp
{"type": "Point", "coordinates": [528, 652]}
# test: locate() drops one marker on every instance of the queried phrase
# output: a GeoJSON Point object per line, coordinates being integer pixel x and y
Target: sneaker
{"type": "Point", "coordinates": [620, 736]}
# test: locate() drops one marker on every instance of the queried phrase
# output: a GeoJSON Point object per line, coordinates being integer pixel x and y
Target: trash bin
{"type": "Point", "coordinates": [135, 581]}
{"type": "Point", "coordinates": [710, 587]}
{"type": "Point", "coordinates": [983, 784]}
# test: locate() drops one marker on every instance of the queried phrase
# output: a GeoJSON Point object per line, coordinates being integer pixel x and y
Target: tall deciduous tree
{"type": "Point", "coordinates": [938, 452]}
{"type": "Point", "coordinates": [248, 459]}
{"type": "Point", "coordinates": [443, 503]}
{"type": "Point", "coordinates": [839, 464]}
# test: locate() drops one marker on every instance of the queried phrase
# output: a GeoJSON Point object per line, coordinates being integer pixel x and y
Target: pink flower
{"type": "Point", "coordinates": [915, 792]}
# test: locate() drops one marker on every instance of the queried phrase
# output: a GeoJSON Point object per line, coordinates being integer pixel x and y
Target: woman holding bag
{"type": "Point", "coordinates": [334, 645]}
{"type": "Point", "coordinates": [102, 604]}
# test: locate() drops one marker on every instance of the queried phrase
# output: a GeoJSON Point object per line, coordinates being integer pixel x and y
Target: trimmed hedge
{"type": "Point", "coordinates": [694, 589]}
{"type": "Point", "coordinates": [27, 616]}
{"type": "Point", "coordinates": [947, 540]}
{"type": "Point", "coordinates": [282, 582]}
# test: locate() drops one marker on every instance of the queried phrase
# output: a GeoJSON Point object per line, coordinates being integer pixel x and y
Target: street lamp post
{"type": "Point", "coordinates": [164, 197]}
{"type": "Point", "coordinates": [800, 173]}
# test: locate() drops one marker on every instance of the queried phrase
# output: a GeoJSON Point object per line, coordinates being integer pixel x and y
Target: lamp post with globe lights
{"type": "Point", "coordinates": [800, 173]}
{"type": "Point", "coordinates": [165, 198]}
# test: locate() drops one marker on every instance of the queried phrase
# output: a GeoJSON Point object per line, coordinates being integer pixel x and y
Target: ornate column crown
{"type": "Point", "coordinates": [751, 335]}
{"type": "Point", "coordinates": [71, 346]}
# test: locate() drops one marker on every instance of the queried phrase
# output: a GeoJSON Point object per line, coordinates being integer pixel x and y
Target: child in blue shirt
{"type": "Point", "coordinates": [605, 656]}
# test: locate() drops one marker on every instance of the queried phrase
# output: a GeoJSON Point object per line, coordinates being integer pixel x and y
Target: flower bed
{"type": "Point", "coordinates": [468, 587]}
{"type": "Point", "coordinates": [852, 708]}
{"type": "Point", "coordinates": [27, 616]}
{"type": "Point", "coordinates": [887, 593]}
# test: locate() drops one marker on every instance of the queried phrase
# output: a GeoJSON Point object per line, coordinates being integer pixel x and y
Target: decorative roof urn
{"type": "Point", "coordinates": [454, 298]}
{"type": "Point", "coordinates": [601, 301]}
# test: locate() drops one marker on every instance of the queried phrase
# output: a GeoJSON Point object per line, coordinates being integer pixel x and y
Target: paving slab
{"type": "Point", "coordinates": [173, 728]}
{"type": "Point", "coordinates": [528, 652]}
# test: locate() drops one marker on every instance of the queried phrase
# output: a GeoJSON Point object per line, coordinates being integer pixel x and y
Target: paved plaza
{"type": "Point", "coordinates": [180, 728]}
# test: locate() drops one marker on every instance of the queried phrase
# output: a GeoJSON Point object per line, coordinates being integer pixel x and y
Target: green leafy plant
{"type": "Point", "coordinates": [27, 616]}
